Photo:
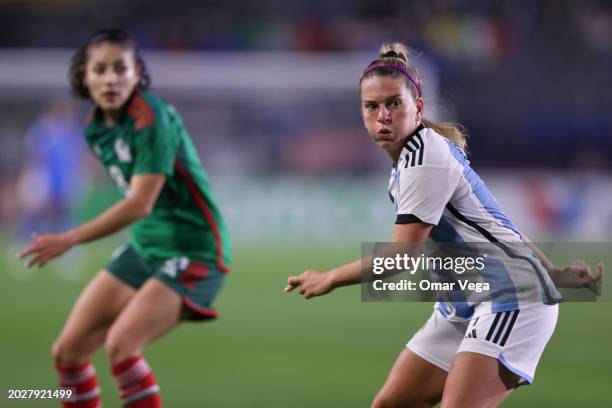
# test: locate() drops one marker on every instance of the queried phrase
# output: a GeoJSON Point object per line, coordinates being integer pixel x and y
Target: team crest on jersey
{"type": "Point", "coordinates": [171, 266]}
{"type": "Point", "coordinates": [123, 151]}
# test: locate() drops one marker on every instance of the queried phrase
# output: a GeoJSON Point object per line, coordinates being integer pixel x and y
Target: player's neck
{"type": "Point", "coordinates": [111, 117]}
{"type": "Point", "coordinates": [395, 154]}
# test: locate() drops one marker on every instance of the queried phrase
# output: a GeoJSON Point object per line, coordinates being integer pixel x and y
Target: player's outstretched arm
{"type": "Point", "coordinates": [575, 275]}
{"type": "Point", "coordinates": [317, 283]}
{"type": "Point", "coordinates": [314, 282]}
{"type": "Point", "coordinates": [144, 190]}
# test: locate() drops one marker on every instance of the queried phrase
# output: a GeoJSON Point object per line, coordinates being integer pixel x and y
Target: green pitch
{"type": "Point", "coordinates": [269, 349]}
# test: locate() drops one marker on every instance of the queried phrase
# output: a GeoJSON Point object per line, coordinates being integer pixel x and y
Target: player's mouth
{"type": "Point", "coordinates": [384, 135]}
{"type": "Point", "coordinates": [110, 96]}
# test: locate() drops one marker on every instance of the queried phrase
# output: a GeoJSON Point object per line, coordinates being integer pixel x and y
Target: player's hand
{"type": "Point", "coordinates": [43, 248]}
{"type": "Point", "coordinates": [578, 275]}
{"type": "Point", "coordinates": [311, 283]}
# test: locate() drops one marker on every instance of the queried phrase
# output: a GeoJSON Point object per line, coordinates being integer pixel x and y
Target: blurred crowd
{"type": "Point", "coordinates": [455, 29]}
{"type": "Point", "coordinates": [521, 75]}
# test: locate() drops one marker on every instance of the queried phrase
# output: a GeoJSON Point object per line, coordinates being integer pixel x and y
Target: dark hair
{"type": "Point", "coordinates": [76, 73]}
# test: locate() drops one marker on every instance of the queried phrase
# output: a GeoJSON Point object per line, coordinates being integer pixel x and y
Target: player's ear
{"type": "Point", "coordinates": [139, 70]}
{"type": "Point", "coordinates": [420, 106]}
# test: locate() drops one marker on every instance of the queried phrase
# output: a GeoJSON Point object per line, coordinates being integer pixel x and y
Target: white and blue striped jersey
{"type": "Point", "coordinates": [433, 182]}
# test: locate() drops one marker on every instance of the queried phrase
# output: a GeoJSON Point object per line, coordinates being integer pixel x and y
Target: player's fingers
{"type": "Point", "coordinates": [584, 273]}
{"type": "Point", "coordinates": [600, 270]}
{"type": "Point", "coordinates": [30, 262]}
{"type": "Point", "coordinates": [289, 288]}
{"type": "Point", "coordinates": [294, 281]}
{"type": "Point", "coordinates": [34, 261]}
{"type": "Point", "coordinates": [30, 249]}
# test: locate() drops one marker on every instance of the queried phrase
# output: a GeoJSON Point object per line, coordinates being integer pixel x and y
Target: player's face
{"type": "Point", "coordinates": [110, 75]}
{"type": "Point", "coordinates": [390, 112]}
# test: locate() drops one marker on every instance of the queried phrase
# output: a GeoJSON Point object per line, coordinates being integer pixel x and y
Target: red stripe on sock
{"type": "Point", "coordinates": [134, 377]}
{"type": "Point", "coordinates": [136, 387]}
{"type": "Point", "coordinates": [84, 387]}
{"type": "Point", "coordinates": [88, 384]}
{"type": "Point", "coordinates": [125, 365]}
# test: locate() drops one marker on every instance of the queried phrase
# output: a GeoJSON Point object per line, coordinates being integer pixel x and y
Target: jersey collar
{"type": "Point", "coordinates": [94, 123]}
{"type": "Point", "coordinates": [412, 135]}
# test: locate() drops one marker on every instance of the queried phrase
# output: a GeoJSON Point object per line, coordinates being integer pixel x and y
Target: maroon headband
{"type": "Point", "coordinates": [397, 68]}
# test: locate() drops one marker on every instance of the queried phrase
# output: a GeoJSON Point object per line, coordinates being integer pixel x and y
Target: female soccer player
{"type": "Point", "coordinates": [437, 195]}
{"type": "Point", "coordinates": [179, 254]}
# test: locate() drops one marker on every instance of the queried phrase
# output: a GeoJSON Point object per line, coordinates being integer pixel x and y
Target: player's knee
{"type": "Point", "coordinates": [57, 350]}
{"type": "Point", "coordinates": [114, 347]}
{"type": "Point", "coordinates": [65, 353]}
{"type": "Point", "coordinates": [118, 347]}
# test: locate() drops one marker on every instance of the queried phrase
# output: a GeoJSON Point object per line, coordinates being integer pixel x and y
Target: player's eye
{"type": "Point", "coordinates": [99, 69]}
{"type": "Point", "coordinates": [120, 68]}
{"type": "Point", "coordinates": [370, 106]}
{"type": "Point", "coordinates": [396, 103]}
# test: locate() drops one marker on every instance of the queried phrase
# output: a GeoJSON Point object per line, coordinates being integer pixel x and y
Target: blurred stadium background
{"type": "Point", "coordinates": [269, 92]}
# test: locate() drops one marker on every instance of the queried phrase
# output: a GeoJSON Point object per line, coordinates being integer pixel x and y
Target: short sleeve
{"type": "Point", "coordinates": [424, 191]}
{"type": "Point", "coordinates": [156, 149]}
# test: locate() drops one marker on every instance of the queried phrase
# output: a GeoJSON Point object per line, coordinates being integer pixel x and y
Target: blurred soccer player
{"type": "Point", "coordinates": [53, 172]}
{"type": "Point", "coordinates": [437, 195]}
{"type": "Point", "coordinates": [178, 258]}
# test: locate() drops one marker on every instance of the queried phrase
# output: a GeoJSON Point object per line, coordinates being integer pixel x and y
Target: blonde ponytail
{"type": "Point", "coordinates": [452, 131]}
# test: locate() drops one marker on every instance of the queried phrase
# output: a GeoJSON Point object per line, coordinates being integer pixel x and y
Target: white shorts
{"type": "Point", "coordinates": [516, 338]}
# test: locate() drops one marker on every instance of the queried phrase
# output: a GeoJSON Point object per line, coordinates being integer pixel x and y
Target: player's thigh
{"type": "Point", "coordinates": [476, 380]}
{"type": "Point", "coordinates": [500, 352]}
{"type": "Point", "coordinates": [93, 313]}
{"type": "Point", "coordinates": [412, 382]}
{"type": "Point", "coordinates": [153, 311]}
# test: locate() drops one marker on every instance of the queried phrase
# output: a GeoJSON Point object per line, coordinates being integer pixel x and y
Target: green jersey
{"type": "Point", "coordinates": [151, 139]}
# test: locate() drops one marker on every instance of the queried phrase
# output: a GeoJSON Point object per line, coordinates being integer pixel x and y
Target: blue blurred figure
{"type": "Point", "coordinates": [53, 175]}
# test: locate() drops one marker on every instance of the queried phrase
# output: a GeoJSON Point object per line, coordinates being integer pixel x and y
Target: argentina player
{"type": "Point", "coordinates": [468, 354]}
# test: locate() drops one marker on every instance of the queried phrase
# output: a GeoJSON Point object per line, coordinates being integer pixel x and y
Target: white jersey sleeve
{"type": "Point", "coordinates": [427, 178]}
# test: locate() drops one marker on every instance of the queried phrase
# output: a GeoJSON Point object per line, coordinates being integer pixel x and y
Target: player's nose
{"type": "Point", "coordinates": [384, 116]}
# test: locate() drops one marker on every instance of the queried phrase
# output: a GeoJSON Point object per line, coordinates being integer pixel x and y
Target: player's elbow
{"type": "Point", "coordinates": [145, 210]}
{"type": "Point", "coordinates": [141, 209]}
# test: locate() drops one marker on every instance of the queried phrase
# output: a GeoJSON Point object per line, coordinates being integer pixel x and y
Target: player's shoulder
{"type": "Point", "coordinates": [148, 110]}
{"type": "Point", "coordinates": [425, 147]}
